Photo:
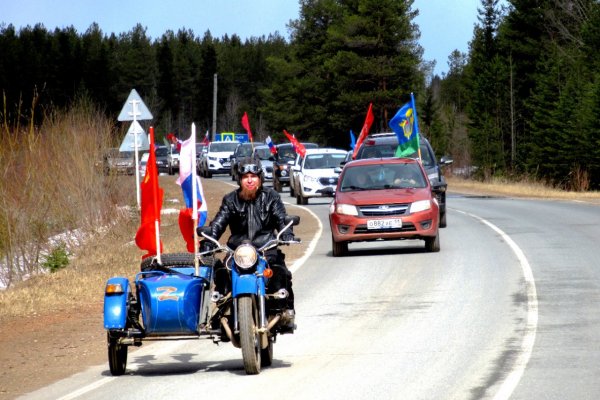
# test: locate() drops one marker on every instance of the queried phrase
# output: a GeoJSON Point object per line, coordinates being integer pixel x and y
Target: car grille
{"type": "Point", "coordinates": [269, 169]}
{"type": "Point", "coordinates": [328, 181]}
{"type": "Point", "coordinates": [383, 210]}
{"type": "Point", "coordinates": [406, 227]}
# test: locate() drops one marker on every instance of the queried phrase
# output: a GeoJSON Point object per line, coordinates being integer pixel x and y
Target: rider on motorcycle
{"type": "Point", "coordinates": [254, 212]}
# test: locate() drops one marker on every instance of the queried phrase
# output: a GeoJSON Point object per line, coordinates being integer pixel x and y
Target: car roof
{"type": "Point", "coordinates": [378, 161]}
{"type": "Point", "coordinates": [326, 150]}
{"type": "Point", "coordinates": [291, 145]}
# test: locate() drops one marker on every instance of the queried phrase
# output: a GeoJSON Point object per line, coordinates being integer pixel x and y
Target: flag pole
{"type": "Point", "coordinates": [416, 127]}
{"type": "Point", "coordinates": [155, 205]}
{"type": "Point", "coordinates": [195, 199]}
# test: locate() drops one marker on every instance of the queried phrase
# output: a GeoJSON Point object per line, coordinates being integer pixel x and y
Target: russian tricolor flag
{"type": "Point", "coordinates": [269, 143]}
{"type": "Point", "coordinates": [193, 194]}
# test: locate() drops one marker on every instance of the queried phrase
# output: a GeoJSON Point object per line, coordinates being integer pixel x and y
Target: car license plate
{"type": "Point", "coordinates": [227, 164]}
{"type": "Point", "coordinates": [384, 223]}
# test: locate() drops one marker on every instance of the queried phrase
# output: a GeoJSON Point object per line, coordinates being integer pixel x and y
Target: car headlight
{"type": "Point", "coordinates": [245, 256]}
{"type": "Point", "coordinates": [344, 209]}
{"type": "Point", "coordinates": [420, 205]}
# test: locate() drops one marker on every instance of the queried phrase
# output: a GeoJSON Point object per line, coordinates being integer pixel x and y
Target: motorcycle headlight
{"type": "Point", "coordinates": [245, 256]}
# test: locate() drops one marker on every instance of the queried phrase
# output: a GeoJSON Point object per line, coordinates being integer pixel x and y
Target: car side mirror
{"type": "Point", "coordinates": [445, 160]}
{"type": "Point", "coordinates": [296, 168]}
{"type": "Point", "coordinates": [328, 192]}
{"type": "Point", "coordinates": [337, 170]}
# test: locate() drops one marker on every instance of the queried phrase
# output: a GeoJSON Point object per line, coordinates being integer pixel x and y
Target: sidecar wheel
{"type": "Point", "coordinates": [117, 357]}
{"type": "Point", "coordinates": [249, 337]}
{"type": "Point", "coordinates": [169, 260]}
{"type": "Point", "coordinates": [266, 355]}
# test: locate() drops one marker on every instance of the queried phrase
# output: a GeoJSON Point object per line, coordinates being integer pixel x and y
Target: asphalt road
{"type": "Point", "coordinates": [509, 308]}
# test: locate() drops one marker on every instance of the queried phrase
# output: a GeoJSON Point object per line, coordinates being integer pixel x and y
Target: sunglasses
{"type": "Point", "coordinates": [250, 169]}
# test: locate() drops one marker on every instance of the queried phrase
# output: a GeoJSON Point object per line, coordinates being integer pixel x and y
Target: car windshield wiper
{"type": "Point", "coordinates": [352, 187]}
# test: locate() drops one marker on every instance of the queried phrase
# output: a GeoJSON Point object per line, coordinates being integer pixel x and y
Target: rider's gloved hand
{"type": "Point", "coordinates": [289, 237]}
{"type": "Point", "coordinates": [206, 245]}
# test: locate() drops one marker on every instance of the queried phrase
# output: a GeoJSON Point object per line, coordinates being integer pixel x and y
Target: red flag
{"type": "Point", "coordinates": [299, 147]}
{"type": "Point", "coordinates": [364, 131]}
{"type": "Point", "coordinates": [246, 125]}
{"type": "Point", "coordinates": [151, 199]}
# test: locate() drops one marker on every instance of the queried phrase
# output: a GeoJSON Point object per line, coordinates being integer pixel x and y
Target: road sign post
{"type": "Point", "coordinates": [135, 110]}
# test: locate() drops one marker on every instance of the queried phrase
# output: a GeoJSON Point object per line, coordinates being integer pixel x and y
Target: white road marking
{"type": "Point", "coordinates": [512, 379]}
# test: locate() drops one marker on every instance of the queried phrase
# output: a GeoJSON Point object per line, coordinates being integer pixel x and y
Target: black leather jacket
{"type": "Point", "coordinates": [255, 220]}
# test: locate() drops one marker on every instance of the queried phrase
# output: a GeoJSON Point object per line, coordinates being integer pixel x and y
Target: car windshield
{"type": "Point", "coordinates": [321, 161]}
{"type": "Point", "coordinates": [263, 153]}
{"type": "Point", "coordinates": [162, 152]}
{"type": "Point", "coordinates": [223, 147]}
{"type": "Point", "coordinates": [383, 176]}
{"type": "Point", "coordinates": [389, 150]}
{"type": "Point", "coordinates": [125, 154]}
{"type": "Point", "coordinates": [244, 151]}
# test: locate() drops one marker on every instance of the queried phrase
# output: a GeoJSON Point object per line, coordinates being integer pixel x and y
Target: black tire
{"type": "Point", "coordinates": [169, 260]}
{"type": "Point", "coordinates": [338, 249]}
{"type": "Point", "coordinates": [292, 194]}
{"type": "Point", "coordinates": [117, 356]}
{"type": "Point", "coordinates": [249, 337]}
{"type": "Point", "coordinates": [277, 185]}
{"type": "Point", "coordinates": [298, 199]}
{"type": "Point", "coordinates": [266, 355]}
{"type": "Point", "coordinates": [432, 244]}
{"type": "Point", "coordinates": [171, 172]}
{"type": "Point", "coordinates": [443, 219]}
{"type": "Point", "coordinates": [208, 174]}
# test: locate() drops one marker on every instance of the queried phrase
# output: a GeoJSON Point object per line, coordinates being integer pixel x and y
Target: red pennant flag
{"type": "Point", "coordinates": [299, 147]}
{"type": "Point", "coordinates": [151, 199]}
{"type": "Point", "coordinates": [246, 125]}
{"type": "Point", "coordinates": [364, 131]}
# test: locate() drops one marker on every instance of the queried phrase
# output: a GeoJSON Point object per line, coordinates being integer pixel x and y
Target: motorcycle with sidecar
{"type": "Point", "coordinates": [175, 298]}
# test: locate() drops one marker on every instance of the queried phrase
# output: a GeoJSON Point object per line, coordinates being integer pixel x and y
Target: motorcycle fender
{"type": "Point", "coordinates": [245, 284]}
{"type": "Point", "coordinates": [115, 305]}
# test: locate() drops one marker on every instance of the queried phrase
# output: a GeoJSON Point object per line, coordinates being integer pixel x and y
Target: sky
{"type": "Point", "coordinates": [445, 25]}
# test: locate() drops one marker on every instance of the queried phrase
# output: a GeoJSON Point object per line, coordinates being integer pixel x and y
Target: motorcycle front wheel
{"type": "Point", "coordinates": [249, 337]}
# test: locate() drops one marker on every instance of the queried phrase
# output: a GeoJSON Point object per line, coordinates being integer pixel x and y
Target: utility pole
{"type": "Point", "coordinates": [214, 126]}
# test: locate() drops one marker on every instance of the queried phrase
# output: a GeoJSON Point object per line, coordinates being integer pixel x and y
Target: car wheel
{"type": "Point", "coordinates": [298, 199]}
{"type": "Point", "coordinates": [292, 194]}
{"type": "Point", "coordinates": [443, 219]}
{"type": "Point", "coordinates": [276, 185]}
{"type": "Point", "coordinates": [432, 244]}
{"type": "Point", "coordinates": [339, 249]}
{"type": "Point", "coordinates": [208, 174]}
{"type": "Point", "coordinates": [171, 170]}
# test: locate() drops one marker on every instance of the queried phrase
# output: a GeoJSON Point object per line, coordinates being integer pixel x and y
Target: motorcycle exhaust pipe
{"type": "Point", "coordinates": [229, 333]}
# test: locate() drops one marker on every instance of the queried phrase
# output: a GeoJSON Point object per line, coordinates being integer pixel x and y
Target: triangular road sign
{"type": "Point", "coordinates": [128, 143]}
{"type": "Point", "coordinates": [134, 101]}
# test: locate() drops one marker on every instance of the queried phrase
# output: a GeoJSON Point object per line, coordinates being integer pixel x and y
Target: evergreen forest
{"type": "Point", "coordinates": [523, 102]}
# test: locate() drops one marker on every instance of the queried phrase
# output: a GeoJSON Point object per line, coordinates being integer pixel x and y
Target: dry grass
{"type": "Point", "coordinates": [114, 253]}
{"type": "Point", "coordinates": [528, 189]}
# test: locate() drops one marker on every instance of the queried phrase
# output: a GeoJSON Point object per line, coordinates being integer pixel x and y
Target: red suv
{"type": "Point", "coordinates": [383, 199]}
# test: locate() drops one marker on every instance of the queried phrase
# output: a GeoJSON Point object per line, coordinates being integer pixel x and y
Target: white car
{"type": "Point", "coordinates": [217, 159]}
{"type": "Point", "coordinates": [315, 174]}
